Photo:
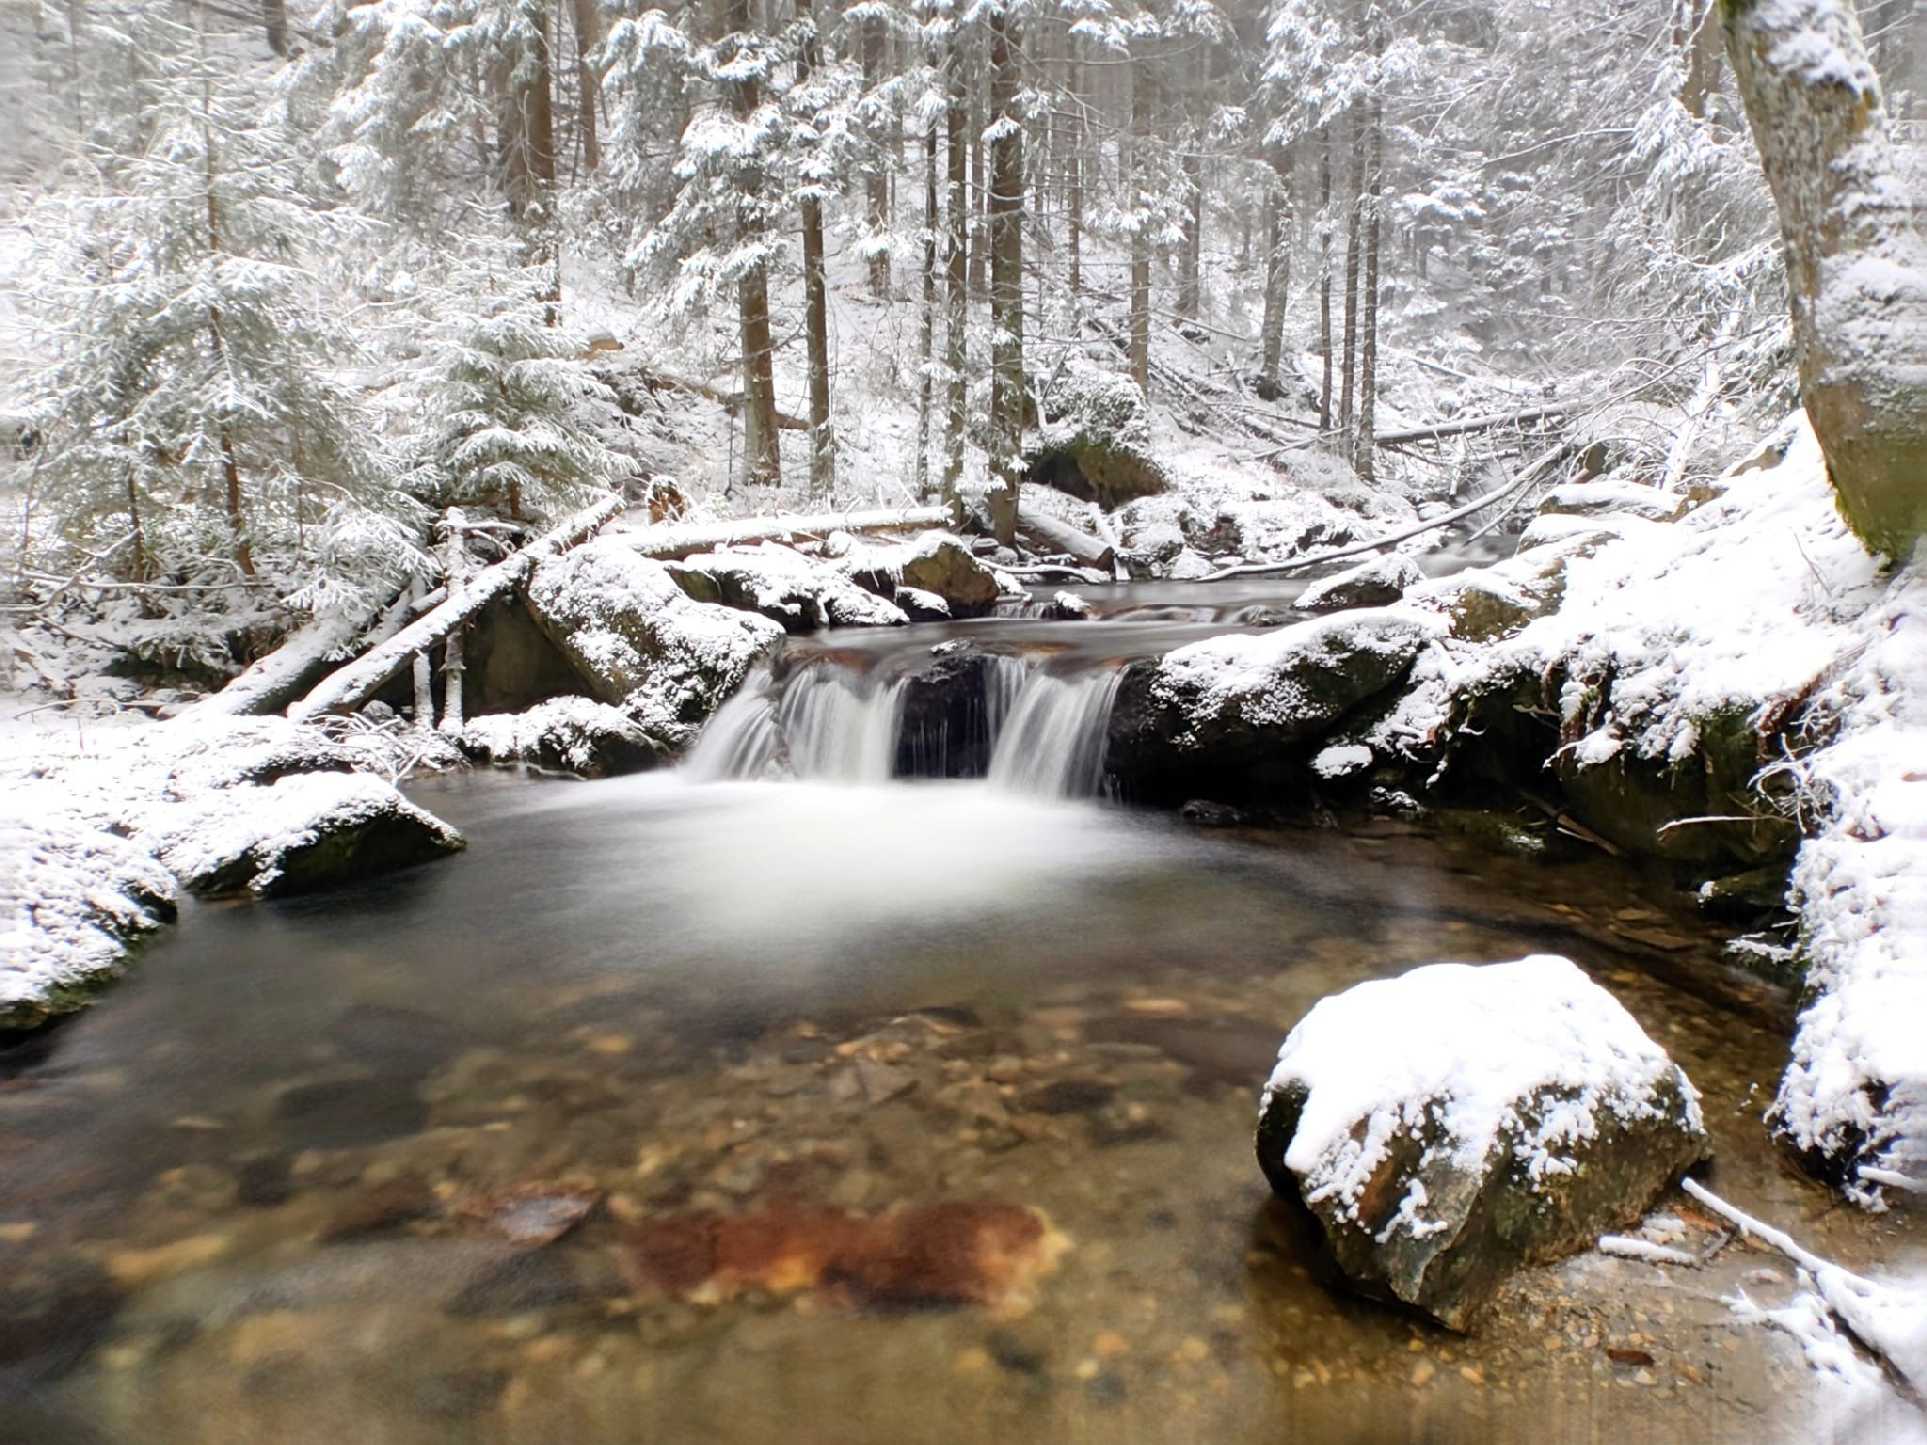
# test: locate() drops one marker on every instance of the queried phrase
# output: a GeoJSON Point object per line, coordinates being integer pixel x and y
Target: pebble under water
{"type": "Point", "coordinates": [743, 1111]}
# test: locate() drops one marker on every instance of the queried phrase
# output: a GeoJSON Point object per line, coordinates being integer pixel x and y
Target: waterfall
{"type": "Point", "coordinates": [824, 722]}
{"type": "Point", "coordinates": [1053, 740]}
{"type": "Point", "coordinates": [742, 740]}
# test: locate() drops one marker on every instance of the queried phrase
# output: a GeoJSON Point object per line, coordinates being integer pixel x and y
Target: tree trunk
{"type": "Point", "coordinates": [1348, 372]}
{"type": "Point", "coordinates": [1006, 279]}
{"type": "Point", "coordinates": [1856, 255]}
{"type": "Point", "coordinates": [927, 334]}
{"type": "Point", "coordinates": [140, 570]}
{"type": "Point", "coordinates": [1074, 180]}
{"type": "Point", "coordinates": [816, 323]}
{"type": "Point", "coordinates": [762, 455]}
{"type": "Point", "coordinates": [1192, 167]}
{"type": "Point", "coordinates": [455, 567]}
{"type": "Point", "coordinates": [1277, 276]}
{"type": "Point", "coordinates": [683, 539]}
{"type": "Point", "coordinates": [588, 94]}
{"type": "Point", "coordinates": [1362, 451]}
{"type": "Point", "coordinates": [1325, 280]}
{"type": "Point", "coordinates": [424, 678]}
{"type": "Point", "coordinates": [956, 298]}
{"type": "Point", "coordinates": [230, 462]}
{"type": "Point", "coordinates": [876, 177]}
{"type": "Point", "coordinates": [1141, 104]}
{"type": "Point", "coordinates": [274, 20]}
{"type": "Point", "coordinates": [979, 209]}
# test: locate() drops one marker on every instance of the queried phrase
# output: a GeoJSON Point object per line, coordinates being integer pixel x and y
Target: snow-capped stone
{"type": "Point", "coordinates": [1453, 1124]}
{"type": "Point", "coordinates": [1610, 497]}
{"type": "Point", "coordinates": [567, 734]}
{"type": "Point", "coordinates": [922, 606]}
{"type": "Point", "coordinates": [1066, 607]}
{"type": "Point", "coordinates": [932, 562]}
{"type": "Point", "coordinates": [641, 643]}
{"type": "Point", "coordinates": [798, 592]}
{"type": "Point", "coordinates": [1373, 583]}
{"type": "Point", "coordinates": [1341, 760]}
{"type": "Point", "coordinates": [296, 835]}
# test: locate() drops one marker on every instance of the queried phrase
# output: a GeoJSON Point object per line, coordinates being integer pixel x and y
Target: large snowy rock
{"type": "Point", "coordinates": [1609, 497]}
{"type": "Point", "coordinates": [1229, 707]}
{"type": "Point", "coordinates": [72, 899]}
{"type": "Point", "coordinates": [296, 835]}
{"type": "Point", "coordinates": [934, 562]}
{"type": "Point", "coordinates": [1451, 1125]}
{"type": "Point", "coordinates": [1374, 583]}
{"type": "Point", "coordinates": [640, 642]}
{"type": "Point", "coordinates": [794, 591]}
{"type": "Point", "coordinates": [566, 734]}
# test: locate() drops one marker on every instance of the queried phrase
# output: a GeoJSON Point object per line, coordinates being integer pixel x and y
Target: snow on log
{"type": "Point", "coordinates": [1049, 535]}
{"type": "Point", "coordinates": [683, 538]}
{"type": "Point", "coordinates": [1474, 424]}
{"type": "Point", "coordinates": [362, 679]}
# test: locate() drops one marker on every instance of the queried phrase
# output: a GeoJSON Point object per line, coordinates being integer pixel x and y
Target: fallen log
{"type": "Point", "coordinates": [681, 539]}
{"type": "Point", "coordinates": [1473, 424]}
{"type": "Point", "coordinates": [350, 686]}
{"type": "Point", "coordinates": [1049, 535]}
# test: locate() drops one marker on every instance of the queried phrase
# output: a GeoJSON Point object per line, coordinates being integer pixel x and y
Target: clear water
{"type": "Point", "coordinates": [249, 1196]}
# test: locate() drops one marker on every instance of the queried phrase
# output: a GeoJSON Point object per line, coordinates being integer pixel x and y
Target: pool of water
{"type": "Point", "coordinates": [787, 1056]}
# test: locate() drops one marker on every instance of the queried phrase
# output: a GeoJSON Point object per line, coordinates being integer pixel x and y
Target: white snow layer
{"type": "Point", "coordinates": [570, 728]}
{"type": "Point", "coordinates": [1476, 1042]}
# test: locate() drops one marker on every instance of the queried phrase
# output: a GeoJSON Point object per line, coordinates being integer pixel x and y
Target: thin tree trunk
{"type": "Point", "coordinates": [816, 325]}
{"type": "Point", "coordinates": [230, 462]}
{"type": "Point", "coordinates": [979, 192]}
{"type": "Point", "coordinates": [1142, 85]}
{"type": "Point", "coordinates": [588, 93]}
{"type": "Point", "coordinates": [1325, 280]}
{"type": "Point", "coordinates": [1277, 277]}
{"type": "Point", "coordinates": [1192, 166]}
{"type": "Point", "coordinates": [424, 668]}
{"type": "Point", "coordinates": [927, 337]}
{"type": "Point", "coordinates": [1856, 255]}
{"type": "Point", "coordinates": [956, 299]}
{"type": "Point", "coordinates": [762, 455]}
{"type": "Point", "coordinates": [1074, 179]}
{"type": "Point", "coordinates": [274, 21]}
{"type": "Point", "coordinates": [1348, 376]}
{"type": "Point", "coordinates": [1368, 349]}
{"type": "Point", "coordinates": [1006, 279]}
{"type": "Point", "coordinates": [877, 177]}
{"type": "Point", "coordinates": [141, 571]}
{"type": "Point", "coordinates": [455, 566]}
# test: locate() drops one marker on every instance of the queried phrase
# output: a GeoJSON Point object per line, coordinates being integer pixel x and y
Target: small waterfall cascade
{"type": "Point", "coordinates": [1038, 730]}
{"type": "Point", "coordinates": [1052, 742]}
{"type": "Point", "coordinates": [823, 723]}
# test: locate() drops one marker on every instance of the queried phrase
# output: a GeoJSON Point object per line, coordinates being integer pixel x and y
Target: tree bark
{"type": "Point", "coordinates": [979, 190]}
{"type": "Point", "coordinates": [230, 462]}
{"type": "Point", "coordinates": [816, 324]}
{"type": "Point", "coordinates": [927, 333]}
{"type": "Point", "coordinates": [1348, 370]}
{"type": "Point", "coordinates": [1325, 280]}
{"type": "Point", "coordinates": [424, 678]}
{"type": "Point", "coordinates": [1142, 84]}
{"type": "Point", "coordinates": [274, 21]}
{"type": "Point", "coordinates": [1006, 278]}
{"type": "Point", "coordinates": [455, 568]}
{"type": "Point", "coordinates": [762, 454]}
{"type": "Point", "coordinates": [1363, 450]}
{"type": "Point", "coordinates": [956, 299]}
{"type": "Point", "coordinates": [1074, 178]}
{"type": "Point", "coordinates": [1277, 275]}
{"type": "Point", "coordinates": [588, 94]}
{"type": "Point", "coordinates": [1191, 165]}
{"type": "Point", "coordinates": [876, 181]}
{"type": "Point", "coordinates": [1856, 255]}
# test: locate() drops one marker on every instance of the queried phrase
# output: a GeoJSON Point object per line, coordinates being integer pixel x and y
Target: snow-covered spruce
{"type": "Point", "coordinates": [566, 734]}
{"type": "Point", "coordinates": [641, 643]}
{"type": "Point", "coordinates": [796, 592]}
{"type": "Point", "coordinates": [1453, 1124]}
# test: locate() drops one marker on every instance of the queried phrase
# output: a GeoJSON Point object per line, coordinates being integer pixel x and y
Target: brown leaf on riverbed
{"type": "Point", "coordinates": [966, 1252]}
{"type": "Point", "coordinates": [1625, 1355]}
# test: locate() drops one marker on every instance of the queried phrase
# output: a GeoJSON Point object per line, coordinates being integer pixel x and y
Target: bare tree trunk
{"type": "Point", "coordinates": [1348, 375]}
{"type": "Point", "coordinates": [1277, 275]}
{"type": "Point", "coordinates": [956, 299]}
{"type": "Point", "coordinates": [1325, 280]}
{"type": "Point", "coordinates": [424, 669]}
{"type": "Point", "coordinates": [927, 335]}
{"type": "Point", "coordinates": [230, 462]}
{"type": "Point", "coordinates": [762, 454]}
{"type": "Point", "coordinates": [876, 178]}
{"type": "Point", "coordinates": [979, 193]}
{"type": "Point", "coordinates": [1192, 167]}
{"type": "Point", "coordinates": [588, 94]}
{"type": "Point", "coordinates": [1856, 255]}
{"type": "Point", "coordinates": [1074, 179]}
{"type": "Point", "coordinates": [140, 570]}
{"type": "Point", "coordinates": [1006, 279]}
{"type": "Point", "coordinates": [816, 323]}
{"type": "Point", "coordinates": [1362, 451]}
{"type": "Point", "coordinates": [455, 566]}
{"type": "Point", "coordinates": [1142, 84]}
{"type": "Point", "coordinates": [274, 20]}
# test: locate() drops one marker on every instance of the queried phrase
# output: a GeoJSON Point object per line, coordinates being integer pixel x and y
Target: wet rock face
{"type": "Point", "coordinates": [944, 731]}
{"type": "Point", "coordinates": [1438, 1170]}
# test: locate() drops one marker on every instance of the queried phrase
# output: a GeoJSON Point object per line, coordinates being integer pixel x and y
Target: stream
{"type": "Point", "coordinates": [292, 1180]}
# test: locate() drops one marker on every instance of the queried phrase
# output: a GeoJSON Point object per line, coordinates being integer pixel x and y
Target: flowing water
{"type": "Point", "coordinates": [768, 1032]}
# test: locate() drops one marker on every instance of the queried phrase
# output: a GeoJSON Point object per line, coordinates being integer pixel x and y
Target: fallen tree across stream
{"type": "Point", "coordinates": [351, 686]}
{"type": "Point", "coordinates": [681, 539]}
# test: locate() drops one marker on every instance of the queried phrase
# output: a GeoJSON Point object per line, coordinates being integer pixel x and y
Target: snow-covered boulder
{"type": "Point", "coordinates": [1229, 708]}
{"type": "Point", "coordinates": [933, 562]}
{"type": "Point", "coordinates": [639, 640]}
{"type": "Point", "coordinates": [1373, 583]}
{"type": "Point", "coordinates": [922, 606]}
{"type": "Point", "coordinates": [1066, 607]}
{"type": "Point", "coordinates": [565, 734]}
{"type": "Point", "coordinates": [1456, 1123]}
{"type": "Point", "coordinates": [797, 592]}
{"type": "Point", "coordinates": [72, 899]}
{"type": "Point", "coordinates": [310, 831]}
{"type": "Point", "coordinates": [1609, 497]}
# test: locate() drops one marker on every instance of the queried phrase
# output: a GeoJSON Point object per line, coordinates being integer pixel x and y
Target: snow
{"type": "Point", "coordinates": [1372, 1058]}
{"type": "Point", "coordinates": [565, 727]}
{"type": "Point", "coordinates": [1394, 575]}
{"type": "Point", "coordinates": [1341, 760]}
{"type": "Point", "coordinates": [1625, 1247]}
{"type": "Point", "coordinates": [786, 586]}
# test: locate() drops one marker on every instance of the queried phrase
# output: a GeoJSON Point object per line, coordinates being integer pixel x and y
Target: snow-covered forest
{"type": "Point", "coordinates": [1106, 559]}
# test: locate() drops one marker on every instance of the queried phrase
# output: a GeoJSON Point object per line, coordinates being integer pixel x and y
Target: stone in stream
{"type": "Point", "coordinates": [1370, 584]}
{"type": "Point", "coordinates": [943, 728]}
{"type": "Point", "coordinates": [349, 1113]}
{"type": "Point", "coordinates": [565, 734]}
{"type": "Point", "coordinates": [1452, 1125]}
{"type": "Point", "coordinates": [798, 593]}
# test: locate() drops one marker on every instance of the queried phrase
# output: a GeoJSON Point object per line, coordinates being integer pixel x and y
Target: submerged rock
{"type": "Point", "coordinates": [294, 836]}
{"type": "Point", "coordinates": [1370, 584]}
{"type": "Point", "coordinates": [640, 642]}
{"type": "Point", "coordinates": [566, 734]}
{"type": "Point", "coordinates": [1452, 1125]}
